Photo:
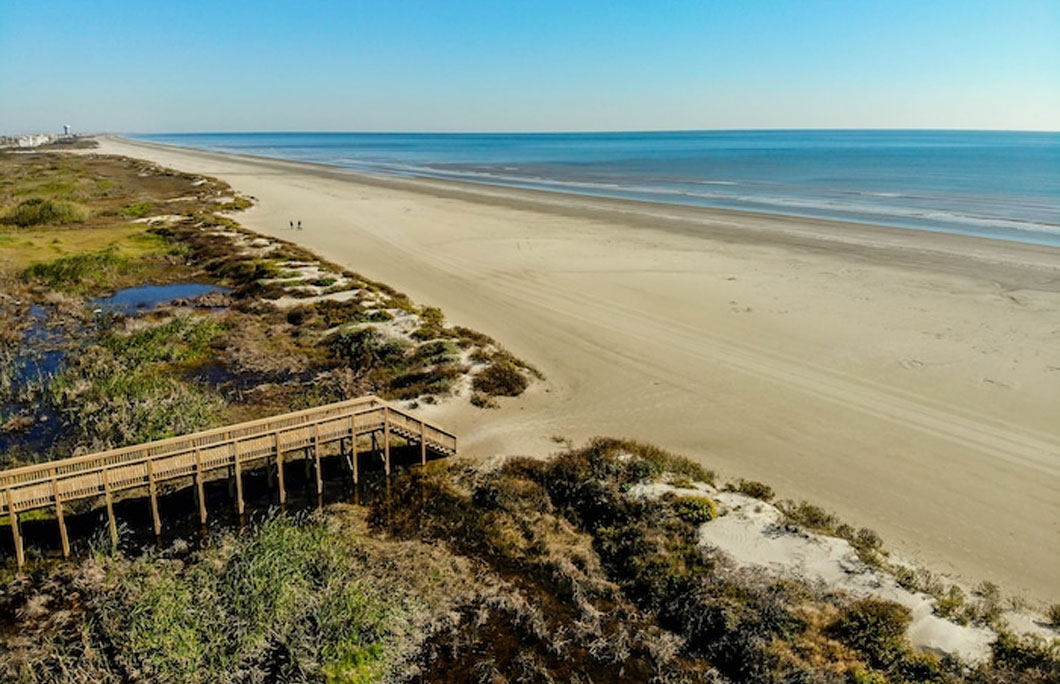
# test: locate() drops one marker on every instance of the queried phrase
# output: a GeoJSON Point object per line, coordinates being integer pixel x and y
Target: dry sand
{"type": "Point", "coordinates": [908, 381]}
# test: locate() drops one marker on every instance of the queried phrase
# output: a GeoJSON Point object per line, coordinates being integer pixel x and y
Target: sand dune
{"type": "Point", "coordinates": [908, 381]}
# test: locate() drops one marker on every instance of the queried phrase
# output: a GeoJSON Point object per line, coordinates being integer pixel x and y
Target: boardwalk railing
{"type": "Point", "coordinates": [232, 448]}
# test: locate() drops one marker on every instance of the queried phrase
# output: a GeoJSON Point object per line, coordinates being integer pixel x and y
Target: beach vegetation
{"type": "Point", "coordinates": [695, 509]}
{"type": "Point", "coordinates": [808, 515]}
{"type": "Point", "coordinates": [129, 388]}
{"type": "Point", "coordinates": [482, 400]}
{"type": "Point", "coordinates": [138, 209]}
{"type": "Point", "coordinates": [755, 489]}
{"type": "Point", "coordinates": [37, 211]}
{"type": "Point", "coordinates": [80, 271]}
{"type": "Point", "coordinates": [1052, 614]}
{"type": "Point", "coordinates": [875, 628]}
{"type": "Point", "coordinates": [500, 378]}
{"type": "Point", "coordinates": [536, 570]}
{"type": "Point", "coordinates": [432, 324]}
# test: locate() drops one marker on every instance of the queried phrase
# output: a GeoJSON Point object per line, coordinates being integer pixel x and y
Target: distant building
{"type": "Point", "coordinates": [32, 140]}
{"type": "Point", "coordinates": [66, 130]}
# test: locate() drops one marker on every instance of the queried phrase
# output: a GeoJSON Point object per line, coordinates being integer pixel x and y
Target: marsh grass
{"type": "Point", "coordinates": [38, 211]}
{"type": "Point", "coordinates": [88, 270]}
{"type": "Point", "coordinates": [129, 388]}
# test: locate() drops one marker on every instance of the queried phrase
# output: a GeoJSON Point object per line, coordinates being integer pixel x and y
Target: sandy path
{"type": "Point", "coordinates": [909, 382]}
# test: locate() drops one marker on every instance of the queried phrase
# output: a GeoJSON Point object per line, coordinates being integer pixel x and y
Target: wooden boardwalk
{"type": "Point", "coordinates": [201, 455]}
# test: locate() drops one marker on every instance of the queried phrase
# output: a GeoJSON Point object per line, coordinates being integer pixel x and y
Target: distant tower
{"type": "Point", "coordinates": [66, 130]}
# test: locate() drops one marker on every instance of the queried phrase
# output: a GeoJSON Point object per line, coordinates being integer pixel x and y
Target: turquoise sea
{"type": "Point", "coordinates": [1003, 185]}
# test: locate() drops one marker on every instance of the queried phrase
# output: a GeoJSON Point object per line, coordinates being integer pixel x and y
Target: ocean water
{"type": "Point", "coordinates": [1002, 185]}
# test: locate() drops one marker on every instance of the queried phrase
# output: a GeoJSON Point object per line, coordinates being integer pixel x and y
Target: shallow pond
{"type": "Point", "coordinates": [147, 297]}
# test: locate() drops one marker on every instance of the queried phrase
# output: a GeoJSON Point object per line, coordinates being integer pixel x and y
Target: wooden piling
{"type": "Point", "coordinates": [199, 487]}
{"type": "Point", "coordinates": [316, 456]}
{"type": "Point", "coordinates": [353, 455]}
{"type": "Point", "coordinates": [153, 490]}
{"type": "Point", "coordinates": [279, 470]}
{"type": "Point", "coordinates": [386, 440]}
{"type": "Point", "coordinates": [109, 498]}
{"type": "Point", "coordinates": [12, 515]}
{"type": "Point", "coordinates": [239, 479]}
{"type": "Point", "coordinates": [63, 537]}
{"type": "Point", "coordinates": [423, 443]}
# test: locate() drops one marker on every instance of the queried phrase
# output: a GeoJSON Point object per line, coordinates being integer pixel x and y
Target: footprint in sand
{"type": "Point", "coordinates": [910, 364]}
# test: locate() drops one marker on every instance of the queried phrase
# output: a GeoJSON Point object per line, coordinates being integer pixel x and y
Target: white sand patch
{"type": "Point", "coordinates": [655, 490]}
{"type": "Point", "coordinates": [753, 533]}
{"type": "Point", "coordinates": [289, 302]}
{"type": "Point", "coordinates": [160, 220]}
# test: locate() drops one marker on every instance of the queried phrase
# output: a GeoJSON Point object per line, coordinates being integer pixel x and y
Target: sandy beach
{"type": "Point", "coordinates": [908, 381]}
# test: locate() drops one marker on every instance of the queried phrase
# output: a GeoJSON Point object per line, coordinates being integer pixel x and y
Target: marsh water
{"type": "Point", "coordinates": [31, 426]}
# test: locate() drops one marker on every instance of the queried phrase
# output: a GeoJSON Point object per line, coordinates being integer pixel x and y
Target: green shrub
{"type": "Point", "coordinates": [876, 628]}
{"type": "Point", "coordinates": [38, 211]}
{"type": "Point", "coordinates": [696, 509]}
{"type": "Point", "coordinates": [366, 348]}
{"type": "Point", "coordinates": [432, 324]}
{"type": "Point", "coordinates": [1053, 614]}
{"type": "Point", "coordinates": [810, 516]}
{"type": "Point", "coordinates": [755, 489]}
{"type": "Point", "coordinates": [500, 379]}
{"type": "Point", "coordinates": [1023, 653]}
{"type": "Point", "coordinates": [951, 605]}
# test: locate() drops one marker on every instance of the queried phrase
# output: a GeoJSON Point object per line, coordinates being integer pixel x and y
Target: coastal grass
{"type": "Point", "coordinates": [299, 600]}
{"type": "Point", "coordinates": [533, 571]}
{"type": "Point", "coordinates": [40, 211]}
{"type": "Point", "coordinates": [131, 386]}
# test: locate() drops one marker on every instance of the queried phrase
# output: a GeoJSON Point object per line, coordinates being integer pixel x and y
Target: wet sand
{"type": "Point", "coordinates": [908, 381]}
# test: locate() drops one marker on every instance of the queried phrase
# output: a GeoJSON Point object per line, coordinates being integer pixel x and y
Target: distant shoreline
{"type": "Point", "coordinates": [995, 185]}
{"type": "Point", "coordinates": [1012, 264]}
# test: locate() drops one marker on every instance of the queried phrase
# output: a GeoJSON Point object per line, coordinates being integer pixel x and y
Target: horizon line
{"type": "Point", "coordinates": [585, 131]}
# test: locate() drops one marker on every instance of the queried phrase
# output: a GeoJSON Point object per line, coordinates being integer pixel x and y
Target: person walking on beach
{"type": "Point", "coordinates": [291, 224]}
{"type": "Point", "coordinates": [299, 225]}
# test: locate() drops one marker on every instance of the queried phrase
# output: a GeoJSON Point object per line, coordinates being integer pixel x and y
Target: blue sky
{"type": "Point", "coordinates": [491, 65]}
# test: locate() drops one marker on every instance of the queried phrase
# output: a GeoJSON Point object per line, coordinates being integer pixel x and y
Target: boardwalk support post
{"type": "Point", "coordinates": [111, 522]}
{"type": "Point", "coordinates": [199, 487]}
{"type": "Point", "coordinates": [423, 443]}
{"type": "Point", "coordinates": [154, 499]}
{"type": "Point", "coordinates": [239, 478]}
{"type": "Point", "coordinates": [12, 514]}
{"type": "Point", "coordinates": [353, 449]}
{"type": "Point", "coordinates": [63, 537]}
{"type": "Point", "coordinates": [279, 470]}
{"type": "Point", "coordinates": [386, 440]}
{"type": "Point", "coordinates": [316, 456]}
